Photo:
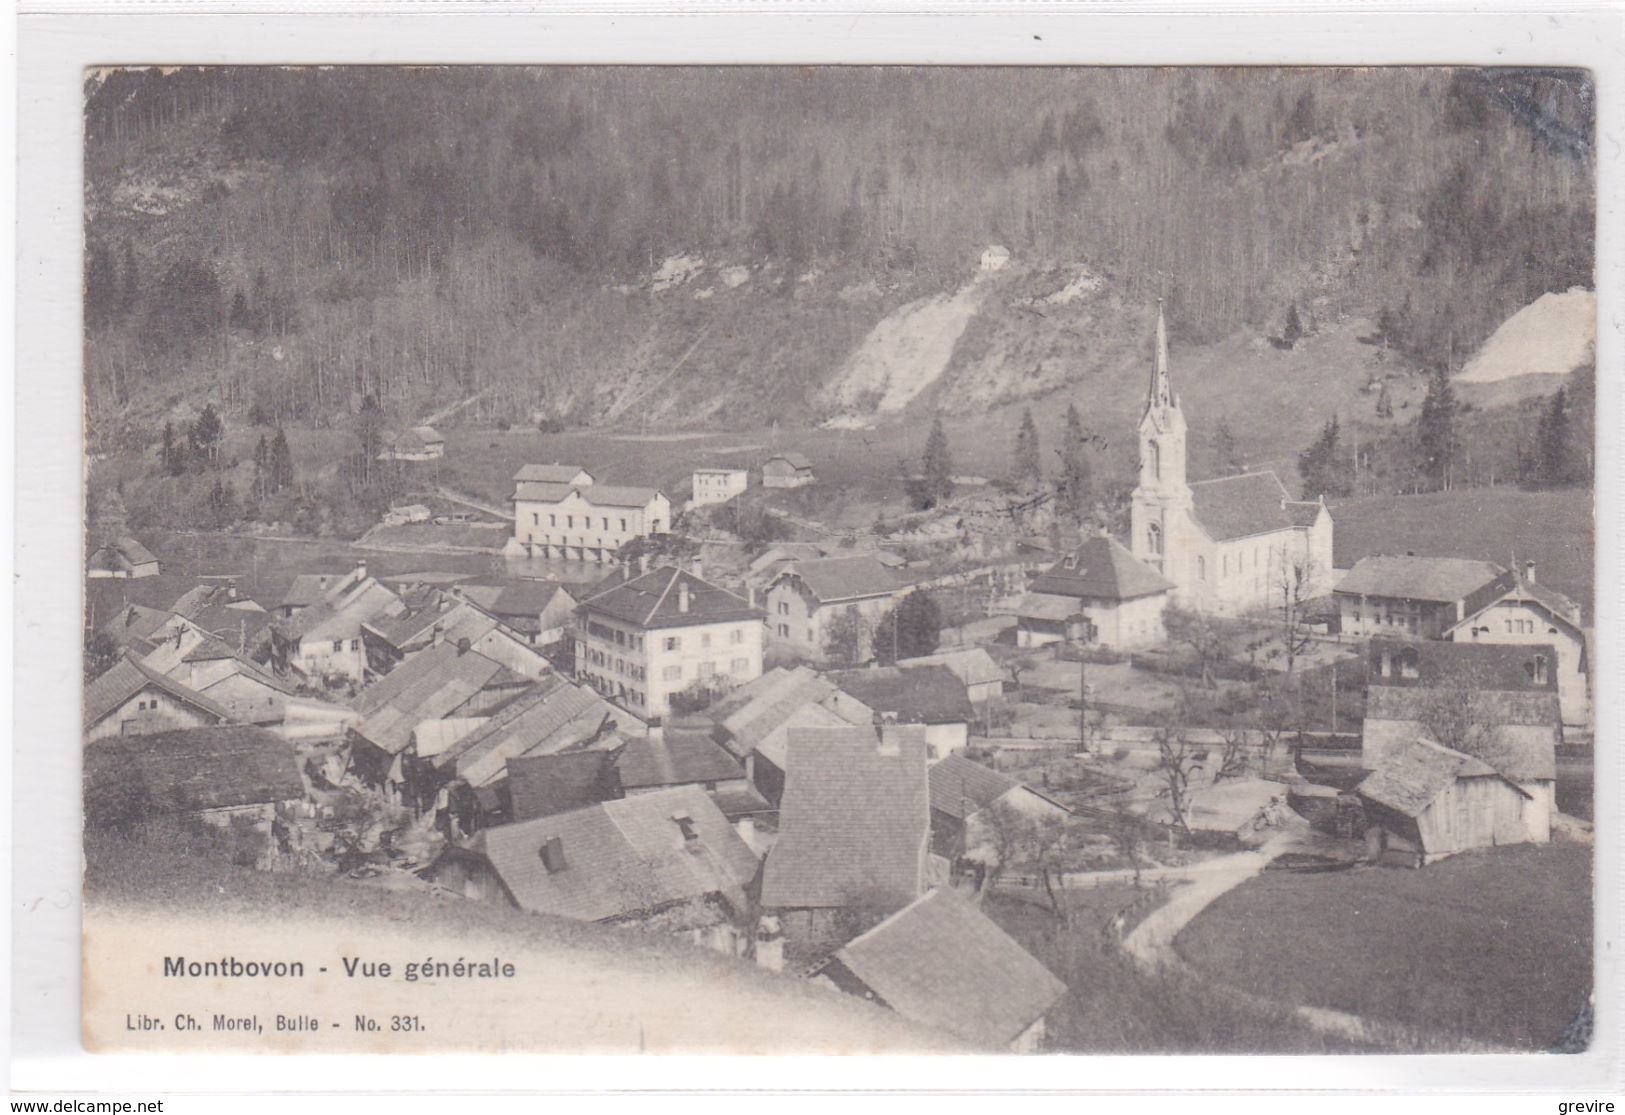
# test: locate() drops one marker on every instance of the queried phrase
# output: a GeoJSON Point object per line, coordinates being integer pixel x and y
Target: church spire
{"type": "Point", "coordinates": [1162, 391]}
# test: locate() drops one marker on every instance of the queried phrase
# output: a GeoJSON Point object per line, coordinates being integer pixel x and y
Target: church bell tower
{"type": "Point", "coordinates": [1162, 499]}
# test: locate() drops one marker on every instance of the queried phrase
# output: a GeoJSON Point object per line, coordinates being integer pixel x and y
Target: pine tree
{"type": "Point", "coordinates": [1555, 456]}
{"type": "Point", "coordinates": [1436, 429]}
{"type": "Point", "coordinates": [1321, 466]}
{"type": "Point", "coordinates": [262, 468]}
{"type": "Point", "coordinates": [937, 465]}
{"type": "Point", "coordinates": [1292, 333]}
{"type": "Point", "coordinates": [172, 457]}
{"type": "Point", "coordinates": [1076, 482]}
{"type": "Point", "coordinates": [281, 463]}
{"type": "Point", "coordinates": [1028, 468]}
{"type": "Point", "coordinates": [205, 435]}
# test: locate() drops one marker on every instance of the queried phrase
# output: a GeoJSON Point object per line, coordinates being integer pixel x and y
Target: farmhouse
{"type": "Point", "coordinates": [962, 790]}
{"type": "Point", "coordinates": [124, 559]}
{"type": "Point", "coordinates": [787, 470]}
{"type": "Point", "coordinates": [1419, 597]}
{"type": "Point", "coordinates": [805, 600]}
{"type": "Point", "coordinates": [132, 699]}
{"type": "Point", "coordinates": [941, 962]}
{"type": "Point", "coordinates": [419, 443]}
{"type": "Point", "coordinates": [1120, 594]}
{"type": "Point", "coordinates": [668, 859]}
{"type": "Point", "coordinates": [541, 611]}
{"type": "Point", "coordinates": [973, 666]}
{"type": "Point", "coordinates": [718, 485]}
{"type": "Point", "coordinates": [1229, 545]}
{"type": "Point", "coordinates": [640, 640]}
{"type": "Point", "coordinates": [561, 512]}
{"type": "Point", "coordinates": [854, 832]}
{"type": "Point", "coordinates": [754, 721]}
{"type": "Point", "coordinates": [236, 777]}
{"type": "Point", "coordinates": [320, 634]}
{"type": "Point", "coordinates": [929, 696]}
{"type": "Point", "coordinates": [1530, 614]}
{"type": "Point", "coordinates": [1425, 802]}
{"type": "Point", "coordinates": [438, 617]}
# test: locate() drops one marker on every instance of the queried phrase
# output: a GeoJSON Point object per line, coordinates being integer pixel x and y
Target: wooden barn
{"type": "Point", "coordinates": [1426, 802]}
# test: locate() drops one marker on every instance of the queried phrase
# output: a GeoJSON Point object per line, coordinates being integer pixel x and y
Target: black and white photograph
{"type": "Point", "coordinates": [1051, 560]}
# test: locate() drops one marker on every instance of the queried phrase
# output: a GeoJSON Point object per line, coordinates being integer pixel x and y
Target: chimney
{"type": "Point", "coordinates": [1529, 571]}
{"type": "Point", "coordinates": [682, 597]}
{"type": "Point", "coordinates": [361, 570]}
{"type": "Point", "coordinates": [699, 568]}
{"type": "Point", "coordinates": [439, 634]}
{"type": "Point", "coordinates": [462, 646]}
{"type": "Point", "coordinates": [643, 564]}
{"type": "Point", "coordinates": [750, 592]}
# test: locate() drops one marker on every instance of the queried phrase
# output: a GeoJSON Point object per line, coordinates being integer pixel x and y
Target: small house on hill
{"type": "Point", "coordinates": [230, 776]}
{"type": "Point", "coordinates": [806, 598]}
{"type": "Point", "coordinates": [541, 611]}
{"type": "Point", "coordinates": [941, 962]}
{"type": "Point", "coordinates": [930, 696]}
{"type": "Point", "coordinates": [787, 470]}
{"type": "Point", "coordinates": [1425, 802]}
{"type": "Point", "coordinates": [668, 859]}
{"type": "Point", "coordinates": [132, 699]}
{"type": "Point", "coordinates": [1120, 594]}
{"type": "Point", "coordinates": [963, 790]}
{"type": "Point", "coordinates": [854, 832]}
{"type": "Point", "coordinates": [124, 559]}
{"type": "Point", "coordinates": [419, 443]}
{"type": "Point", "coordinates": [718, 485]}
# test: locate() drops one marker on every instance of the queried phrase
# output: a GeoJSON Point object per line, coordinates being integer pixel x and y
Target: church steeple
{"type": "Point", "coordinates": [1162, 390]}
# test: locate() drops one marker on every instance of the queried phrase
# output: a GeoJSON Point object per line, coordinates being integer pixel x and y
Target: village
{"type": "Point", "coordinates": [847, 757]}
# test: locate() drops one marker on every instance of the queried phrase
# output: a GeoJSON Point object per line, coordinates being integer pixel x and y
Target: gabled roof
{"type": "Point", "coordinates": [621, 858]}
{"type": "Point", "coordinates": [911, 694]}
{"type": "Point", "coordinates": [961, 787]}
{"type": "Point", "coordinates": [550, 474]}
{"type": "Point", "coordinates": [541, 491]}
{"type": "Point", "coordinates": [971, 665]}
{"type": "Point", "coordinates": [429, 685]}
{"type": "Point", "coordinates": [1102, 568]}
{"type": "Point", "coordinates": [684, 754]}
{"type": "Point", "coordinates": [781, 552]}
{"type": "Point", "coordinates": [542, 785]}
{"type": "Point", "coordinates": [193, 769]}
{"type": "Point", "coordinates": [1233, 507]}
{"type": "Point", "coordinates": [1047, 606]}
{"type": "Point", "coordinates": [836, 579]}
{"type": "Point", "coordinates": [1526, 727]}
{"type": "Point", "coordinates": [1404, 576]}
{"type": "Point", "coordinates": [853, 820]}
{"type": "Point", "coordinates": [431, 737]}
{"type": "Point", "coordinates": [513, 597]}
{"type": "Point", "coordinates": [620, 495]}
{"type": "Point", "coordinates": [555, 715]}
{"type": "Point", "coordinates": [1413, 774]}
{"type": "Point", "coordinates": [1533, 592]}
{"type": "Point", "coordinates": [1508, 666]}
{"type": "Point", "coordinates": [755, 716]}
{"type": "Point", "coordinates": [135, 623]}
{"type": "Point", "coordinates": [428, 435]}
{"type": "Point", "coordinates": [942, 962]}
{"type": "Point", "coordinates": [340, 615]}
{"type": "Point", "coordinates": [311, 588]}
{"type": "Point", "coordinates": [654, 600]}
{"type": "Point", "coordinates": [129, 676]}
{"type": "Point", "coordinates": [122, 552]}
{"type": "Point", "coordinates": [1303, 513]}
{"type": "Point", "coordinates": [795, 460]}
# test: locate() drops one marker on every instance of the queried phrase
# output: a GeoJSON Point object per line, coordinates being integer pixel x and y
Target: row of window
{"type": "Point", "coordinates": [338, 645]}
{"type": "Point", "coordinates": [570, 522]}
{"type": "Point", "coordinates": [674, 672]}
{"type": "Point", "coordinates": [621, 665]}
{"type": "Point", "coordinates": [784, 633]}
{"type": "Point", "coordinates": [736, 636]}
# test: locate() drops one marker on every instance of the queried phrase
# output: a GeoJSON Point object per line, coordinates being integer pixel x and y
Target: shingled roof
{"type": "Point", "coordinates": [551, 474]}
{"type": "Point", "coordinates": [129, 676]}
{"type": "Point", "coordinates": [543, 785]}
{"type": "Point", "coordinates": [1509, 666]}
{"type": "Point", "coordinates": [683, 754]}
{"type": "Point", "coordinates": [971, 665]}
{"type": "Point", "coordinates": [620, 859]}
{"type": "Point", "coordinates": [1102, 568]}
{"type": "Point", "coordinates": [190, 770]}
{"type": "Point", "coordinates": [853, 821]}
{"type": "Point", "coordinates": [429, 685]}
{"type": "Point", "coordinates": [961, 787]}
{"type": "Point", "coordinates": [654, 600]}
{"type": "Point", "coordinates": [911, 694]}
{"type": "Point", "coordinates": [836, 579]}
{"type": "Point", "coordinates": [1413, 774]}
{"type": "Point", "coordinates": [942, 962]}
{"type": "Point", "coordinates": [1407, 577]}
{"type": "Point", "coordinates": [1527, 727]}
{"type": "Point", "coordinates": [555, 715]}
{"type": "Point", "coordinates": [1231, 507]}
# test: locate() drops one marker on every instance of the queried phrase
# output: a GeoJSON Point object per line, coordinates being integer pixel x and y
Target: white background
{"type": "Point", "coordinates": [57, 41]}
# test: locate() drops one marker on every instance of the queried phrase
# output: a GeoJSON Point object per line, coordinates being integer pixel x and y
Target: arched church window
{"type": "Point", "coordinates": [1153, 538]}
{"type": "Point", "coordinates": [1153, 458]}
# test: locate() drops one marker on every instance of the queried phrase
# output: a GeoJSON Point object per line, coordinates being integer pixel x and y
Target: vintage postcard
{"type": "Point", "coordinates": [1064, 560]}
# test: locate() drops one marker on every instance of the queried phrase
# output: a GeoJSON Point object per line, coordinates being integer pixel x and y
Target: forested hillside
{"type": "Point", "coordinates": [705, 246]}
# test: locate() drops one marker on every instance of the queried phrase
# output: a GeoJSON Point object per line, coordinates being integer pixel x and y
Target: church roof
{"type": "Point", "coordinates": [1233, 507]}
{"type": "Point", "coordinates": [1102, 568]}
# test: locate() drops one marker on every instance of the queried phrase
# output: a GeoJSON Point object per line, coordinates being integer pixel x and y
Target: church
{"type": "Point", "coordinates": [1231, 545]}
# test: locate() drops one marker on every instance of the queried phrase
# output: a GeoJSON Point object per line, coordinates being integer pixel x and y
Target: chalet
{"type": "Point", "coordinates": [929, 696]}
{"type": "Point", "coordinates": [1102, 581]}
{"type": "Point", "coordinates": [1532, 614]}
{"type": "Point", "coordinates": [640, 640]}
{"type": "Point", "coordinates": [124, 559]}
{"type": "Point", "coordinates": [1425, 801]}
{"type": "Point", "coordinates": [320, 636]}
{"type": "Point", "coordinates": [444, 681]}
{"type": "Point", "coordinates": [1419, 597]}
{"type": "Point", "coordinates": [718, 485]}
{"type": "Point", "coordinates": [806, 598]}
{"type": "Point", "coordinates": [962, 790]}
{"type": "Point", "coordinates": [754, 721]}
{"type": "Point", "coordinates": [561, 512]}
{"type": "Point", "coordinates": [667, 859]}
{"type": "Point", "coordinates": [854, 833]}
{"type": "Point", "coordinates": [132, 699]}
{"type": "Point", "coordinates": [541, 611]}
{"type": "Point", "coordinates": [419, 443]}
{"type": "Point", "coordinates": [250, 693]}
{"type": "Point", "coordinates": [229, 777]}
{"type": "Point", "coordinates": [973, 666]}
{"type": "Point", "coordinates": [787, 470]}
{"type": "Point", "coordinates": [943, 963]}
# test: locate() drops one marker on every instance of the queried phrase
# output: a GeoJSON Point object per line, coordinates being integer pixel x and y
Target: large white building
{"type": "Point", "coordinates": [561, 512]}
{"type": "Point", "coordinates": [1231, 545]}
{"type": "Point", "coordinates": [718, 485]}
{"type": "Point", "coordinates": [641, 639]}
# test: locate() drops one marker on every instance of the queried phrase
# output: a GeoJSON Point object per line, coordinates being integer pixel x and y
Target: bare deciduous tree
{"type": "Point", "coordinates": [1295, 582]}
